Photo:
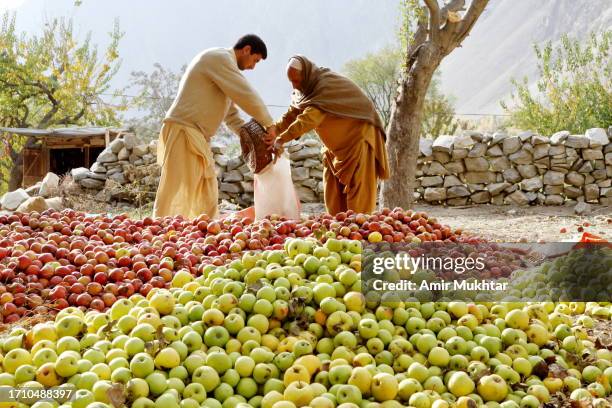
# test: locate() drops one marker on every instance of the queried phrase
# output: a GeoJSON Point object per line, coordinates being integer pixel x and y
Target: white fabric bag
{"type": "Point", "coordinates": [274, 192]}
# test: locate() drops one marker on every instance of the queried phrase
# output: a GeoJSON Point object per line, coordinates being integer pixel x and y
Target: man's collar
{"type": "Point", "coordinates": [233, 54]}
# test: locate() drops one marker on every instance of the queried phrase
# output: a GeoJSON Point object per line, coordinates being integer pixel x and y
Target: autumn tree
{"type": "Point", "coordinates": [574, 88]}
{"type": "Point", "coordinates": [377, 73]}
{"type": "Point", "coordinates": [431, 33]}
{"type": "Point", "coordinates": [51, 80]}
{"type": "Point", "coordinates": [154, 93]}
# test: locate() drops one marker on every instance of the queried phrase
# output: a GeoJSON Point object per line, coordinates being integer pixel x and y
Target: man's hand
{"type": "Point", "coordinates": [270, 136]}
{"type": "Point", "coordinates": [277, 149]}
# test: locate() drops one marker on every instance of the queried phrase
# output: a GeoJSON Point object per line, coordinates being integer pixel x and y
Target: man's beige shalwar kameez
{"type": "Point", "coordinates": [209, 94]}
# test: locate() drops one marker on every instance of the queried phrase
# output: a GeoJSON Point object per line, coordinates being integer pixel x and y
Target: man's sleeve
{"type": "Point", "coordinates": [287, 119]}
{"type": "Point", "coordinates": [303, 123]}
{"type": "Point", "coordinates": [230, 80]}
{"type": "Point", "coordinates": [233, 119]}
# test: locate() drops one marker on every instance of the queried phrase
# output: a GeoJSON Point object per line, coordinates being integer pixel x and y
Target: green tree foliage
{"type": "Point", "coordinates": [378, 74]}
{"type": "Point", "coordinates": [573, 91]}
{"type": "Point", "coordinates": [50, 80]}
{"type": "Point", "coordinates": [155, 92]}
{"type": "Point", "coordinates": [438, 111]}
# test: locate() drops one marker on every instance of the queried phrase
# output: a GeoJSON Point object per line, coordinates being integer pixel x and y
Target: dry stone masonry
{"type": "Point", "coordinates": [127, 163]}
{"type": "Point", "coordinates": [476, 168]}
{"type": "Point", "coordinates": [470, 168]}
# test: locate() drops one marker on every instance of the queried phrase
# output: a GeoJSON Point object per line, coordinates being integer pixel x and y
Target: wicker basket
{"type": "Point", "coordinates": [255, 151]}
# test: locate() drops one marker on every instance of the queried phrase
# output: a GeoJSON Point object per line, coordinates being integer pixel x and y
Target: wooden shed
{"type": "Point", "coordinates": [60, 150]}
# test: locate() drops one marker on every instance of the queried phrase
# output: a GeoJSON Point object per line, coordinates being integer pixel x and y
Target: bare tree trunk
{"type": "Point", "coordinates": [436, 36]}
{"type": "Point", "coordinates": [16, 175]}
{"type": "Point", "coordinates": [405, 130]}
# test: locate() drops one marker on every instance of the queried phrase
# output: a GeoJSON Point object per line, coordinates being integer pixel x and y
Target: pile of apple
{"type": "Point", "coordinates": [52, 260]}
{"type": "Point", "coordinates": [584, 273]}
{"type": "Point", "coordinates": [290, 328]}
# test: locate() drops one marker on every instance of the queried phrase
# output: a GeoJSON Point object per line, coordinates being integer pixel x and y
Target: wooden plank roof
{"type": "Point", "coordinates": [72, 132]}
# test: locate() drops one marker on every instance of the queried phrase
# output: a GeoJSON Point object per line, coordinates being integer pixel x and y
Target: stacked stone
{"type": "Point", "coordinates": [115, 161]}
{"type": "Point", "coordinates": [307, 170]}
{"type": "Point", "coordinates": [39, 197]}
{"type": "Point", "coordinates": [476, 168]}
{"type": "Point", "coordinates": [236, 180]}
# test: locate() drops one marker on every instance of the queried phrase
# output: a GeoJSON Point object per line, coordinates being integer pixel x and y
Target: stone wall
{"type": "Point", "coordinates": [127, 169]}
{"type": "Point", "coordinates": [471, 168]}
{"type": "Point", "coordinates": [476, 168]}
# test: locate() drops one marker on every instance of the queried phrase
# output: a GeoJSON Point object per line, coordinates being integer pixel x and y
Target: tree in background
{"type": "Point", "coordinates": [48, 81]}
{"type": "Point", "coordinates": [430, 33]}
{"type": "Point", "coordinates": [438, 112]}
{"type": "Point", "coordinates": [378, 74]}
{"type": "Point", "coordinates": [574, 91]}
{"type": "Point", "coordinates": [155, 92]}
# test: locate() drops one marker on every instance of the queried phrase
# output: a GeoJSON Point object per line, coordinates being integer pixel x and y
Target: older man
{"type": "Point", "coordinates": [346, 120]}
{"type": "Point", "coordinates": [210, 92]}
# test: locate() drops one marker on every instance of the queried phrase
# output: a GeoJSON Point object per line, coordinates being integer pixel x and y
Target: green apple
{"type": "Point", "coordinates": [42, 356]}
{"type": "Point", "coordinates": [167, 358]}
{"type": "Point", "coordinates": [460, 384]}
{"type": "Point", "coordinates": [67, 364]}
{"type": "Point", "coordinates": [339, 374]}
{"type": "Point", "coordinates": [247, 387]}
{"type": "Point", "coordinates": [456, 346]}
{"type": "Point", "coordinates": [163, 302]}
{"type": "Point", "coordinates": [100, 391]}
{"type": "Point", "coordinates": [439, 356]}
{"type": "Point", "coordinates": [68, 343]}
{"type": "Point", "coordinates": [142, 365]}
{"type": "Point", "coordinates": [194, 361]}
{"type": "Point", "coordinates": [407, 387]}
{"type": "Point", "coordinates": [181, 278]}
{"type": "Point", "coordinates": [143, 402]}
{"type": "Point", "coordinates": [299, 393]}
{"type": "Point", "coordinates": [16, 358]}
{"type": "Point", "coordinates": [418, 372]}
{"type": "Point", "coordinates": [384, 387]}
{"type": "Point", "coordinates": [137, 387]}
{"type": "Point", "coordinates": [420, 400]}
{"type": "Point", "coordinates": [167, 400]}
{"type": "Point", "coordinates": [82, 398]}
{"type": "Point", "coordinates": [121, 375]}
{"type": "Point", "coordinates": [517, 319]}
{"type": "Point", "coordinates": [207, 376]}
{"type": "Point", "coordinates": [244, 365]}
{"type": "Point", "coordinates": [223, 392]}
{"type": "Point", "coordinates": [348, 394]}
{"type": "Point", "coordinates": [492, 388]}
{"type": "Point", "coordinates": [87, 380]}
{"type": "Point", "coordinates": [69, 326]}
{"type": "Point", "coordinates": [24, 373]}
{"type": "Point", "coordinates": [157, 383]}
{"type": "Point", "coordinates": [195, 391]}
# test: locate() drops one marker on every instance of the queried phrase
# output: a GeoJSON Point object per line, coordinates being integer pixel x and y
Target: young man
{"type": "Point", "coordinates": [346, 120]}
{"type": "Point", "coordinates": [210, 92]}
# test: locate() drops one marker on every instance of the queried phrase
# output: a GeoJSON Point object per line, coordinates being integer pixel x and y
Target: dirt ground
{"type": "Point", "coordinates": [515, 224]}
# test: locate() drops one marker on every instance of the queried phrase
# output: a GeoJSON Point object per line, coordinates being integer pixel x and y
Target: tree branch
{"type": "Point", "coordinates": [69, 120]}
{"type": "Point", "coordinates": [434, 19]}
{"type": "Point", "coordinates": [419, 39]}
{"type": "Point", "coordinates": [468, 21]}
{"type": "Point", "coordinates": [44, 122]}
